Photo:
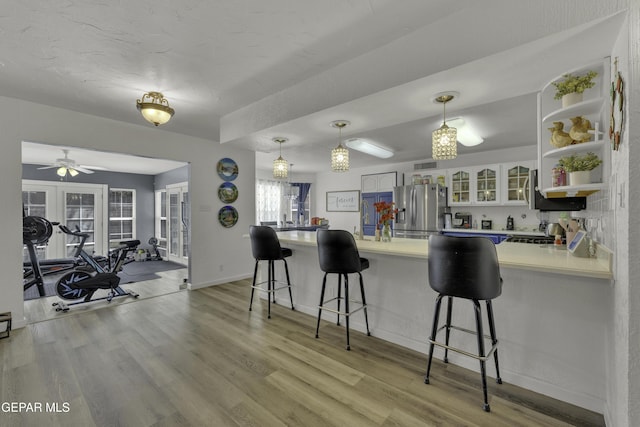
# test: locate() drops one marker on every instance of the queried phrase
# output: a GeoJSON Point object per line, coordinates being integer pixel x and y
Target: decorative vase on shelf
{"type": "Point", "coordinates": [386, 233]}
{"type": "Point", "coordinates": [579, 177]}
{"type": "Point", "coordinates": [571, 98]}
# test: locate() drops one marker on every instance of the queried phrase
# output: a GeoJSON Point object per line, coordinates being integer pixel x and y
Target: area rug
{"type": "Point", "coordinates": [131, 273]}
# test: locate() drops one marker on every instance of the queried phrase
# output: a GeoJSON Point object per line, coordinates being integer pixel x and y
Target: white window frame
{"type": "Point", "coordinates": [122, 219]}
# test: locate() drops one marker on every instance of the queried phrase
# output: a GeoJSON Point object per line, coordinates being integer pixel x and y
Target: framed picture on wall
{"type": "Point", "coordinates": [343, 201]}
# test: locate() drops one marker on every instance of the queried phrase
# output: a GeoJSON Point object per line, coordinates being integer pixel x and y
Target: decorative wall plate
{"type": "Point", "coordinates": [228, 216]}
{"type": "Point", "coordinates": [227, 192]}
{"type": "Point", "coordinates": [227, 169]}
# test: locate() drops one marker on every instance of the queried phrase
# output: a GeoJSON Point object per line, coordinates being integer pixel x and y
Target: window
{"type": "Point", "coordinates": [268, 201]}
{"type": "Point", "coordinates": [295, 207]}
{"type": "Point", "coordinates": [273, 205]}
{"type": "Point", "coordinates": [122, 218]}
{"type": "Point", "coordinates": [34, 203]}
{"type": "Point", "coordinates": [161, 221]}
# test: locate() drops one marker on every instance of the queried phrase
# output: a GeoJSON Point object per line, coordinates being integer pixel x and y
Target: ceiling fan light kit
{"type": "Point", "coordinates": [155, 108]}
{"type": "Point", "coordinates": [66, 166]}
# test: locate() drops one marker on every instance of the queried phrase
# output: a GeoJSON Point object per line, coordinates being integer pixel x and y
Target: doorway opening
{"type": "Point", "coordinates": [115, 201]}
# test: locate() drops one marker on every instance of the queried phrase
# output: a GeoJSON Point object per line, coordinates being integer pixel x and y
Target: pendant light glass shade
{"type": "Point", "coordinates": [280, 168]}
{"type": "Point", "coordinates": [340, 155]}
{"type": "Point", "coordinates": [444, 144]}
{"type": "Point", "coordinates": [280, 165]}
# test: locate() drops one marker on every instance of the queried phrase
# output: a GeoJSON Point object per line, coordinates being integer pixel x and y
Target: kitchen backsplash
{"type": "Point", "coordinates": [599, 218]}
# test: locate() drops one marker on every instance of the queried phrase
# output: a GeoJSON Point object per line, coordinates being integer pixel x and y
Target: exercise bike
{"type": "Point", "coordinates": [82, 283]}
{"type": "Point", "coordinates": [35, 231]}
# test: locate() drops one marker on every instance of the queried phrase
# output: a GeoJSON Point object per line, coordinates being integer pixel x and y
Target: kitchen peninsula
{"type": "Point", "coordinates": [550, 318]}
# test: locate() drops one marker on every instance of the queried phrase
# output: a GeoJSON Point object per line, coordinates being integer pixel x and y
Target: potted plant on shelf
{"type": "Point", "coordinates": [570, 89]}
{"type": "Point", "coordinates": [579, 167]}
{"type": "Point", "coordinates": [386, 215]}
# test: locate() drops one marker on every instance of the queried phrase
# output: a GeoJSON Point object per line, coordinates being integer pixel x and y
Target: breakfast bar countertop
{"type": "Point", "coordinates": [535, 257]}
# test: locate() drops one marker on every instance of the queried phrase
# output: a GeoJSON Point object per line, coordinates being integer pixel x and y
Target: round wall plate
{"type": "Point", "coordinates": [227, 192]}
{"type": "Point", "coordinates": [227, 169]}
{"type": "Point", "coordinates": [228, 216]}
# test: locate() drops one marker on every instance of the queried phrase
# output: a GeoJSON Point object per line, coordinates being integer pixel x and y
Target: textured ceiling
{"type": "Point", "coordinates": [244, 72]}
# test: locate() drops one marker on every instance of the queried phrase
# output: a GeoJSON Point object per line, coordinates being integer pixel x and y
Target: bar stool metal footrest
{"type": "Point", "coordinates": [5, 317]}
{"type": "Point", "coordinates": [494, 347]}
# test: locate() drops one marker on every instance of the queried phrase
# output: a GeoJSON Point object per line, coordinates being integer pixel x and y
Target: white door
{"type": "Point", "coordinates": [75, 205]}
{"type": "Point", "coordinates": [178, 215]}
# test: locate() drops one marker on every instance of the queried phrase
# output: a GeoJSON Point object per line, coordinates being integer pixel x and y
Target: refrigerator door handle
{"type": "Point", "coordinates": [414, 207]}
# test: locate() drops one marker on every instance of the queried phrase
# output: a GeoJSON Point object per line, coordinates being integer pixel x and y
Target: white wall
{"type": "Point", "coordinates": [618, 208]}
{"type": "Point", "coordinates": [218, 254]}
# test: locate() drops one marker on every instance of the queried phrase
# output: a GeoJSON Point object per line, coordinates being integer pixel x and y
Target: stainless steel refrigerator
{"type": "Point", "coordinates": [421, 210]}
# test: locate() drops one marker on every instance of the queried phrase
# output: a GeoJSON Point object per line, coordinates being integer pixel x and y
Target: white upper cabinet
{"type": "Point", "coordinates": [553, 116]}
{"type": "Point", "coordinates": [515, 177]}
{"type": "Point", "coordinates": [460, 189]}
{"type": "Point", "coordinates": [378, 182]}
{"type": "Point", "coordinates": [486, 182]}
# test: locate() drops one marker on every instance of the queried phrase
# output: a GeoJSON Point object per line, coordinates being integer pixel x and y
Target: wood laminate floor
{"type": "Point", "coordinates": [200, 358]}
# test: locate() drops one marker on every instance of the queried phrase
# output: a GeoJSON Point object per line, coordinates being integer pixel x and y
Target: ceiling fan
{"type": "Point", "coordinates": [67, 166]}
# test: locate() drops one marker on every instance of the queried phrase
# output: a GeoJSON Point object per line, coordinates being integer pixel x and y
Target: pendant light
{"type": "Point", "coordinates": [155, 108]}
{"type": "Point", "coordinates": [340, 155]}
{"type": "Point", "coordinates": [280, 165]}
{"type": "Point", "coordinates": [444, 139]}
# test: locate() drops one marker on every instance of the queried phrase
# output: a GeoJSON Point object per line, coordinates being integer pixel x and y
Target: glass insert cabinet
{"type": "Point", "coordinates": [491, 185]}
{"type": "Point", "coordinates": [486, 185]}
{"type": "Point", "coordinates": [460, 181]}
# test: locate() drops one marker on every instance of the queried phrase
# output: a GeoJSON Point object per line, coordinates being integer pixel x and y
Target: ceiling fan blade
{"type": "Point", "coordinates": [83, 170]}
{"type": "Point", "coordinates": [49, 167]}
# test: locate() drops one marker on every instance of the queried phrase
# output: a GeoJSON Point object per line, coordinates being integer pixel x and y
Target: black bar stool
{"type": "Point", "coordinates": [339, 255]}
{"type": "Point", "coordinates": [265, 246]}
{"type": "Point", "coordinates": [465, 267]}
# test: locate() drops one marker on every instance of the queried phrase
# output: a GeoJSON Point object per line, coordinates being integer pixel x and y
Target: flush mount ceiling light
{"type": "Point", "coordinates": [155, 108]}
{"type": "Point", "coordinates": [280, 165]}
{"type": "Point", "coordinates": [369, 148]}
{"type": "Point", "coordinates": [466, 136]}
{"type": "Point", "coordinates": [444, 145]}
{"type": "Point", "coordinates": [340, 155]}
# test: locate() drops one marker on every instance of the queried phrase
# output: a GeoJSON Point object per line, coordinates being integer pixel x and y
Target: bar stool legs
{"type": "Point", "coordinates": [346, 313]}
{"type": "Point", "coordinates": [481, 356]}
{"type": "Point", "coordinates": [271, 285]}
{"type": "Point", "coordinates": [494, 339]}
